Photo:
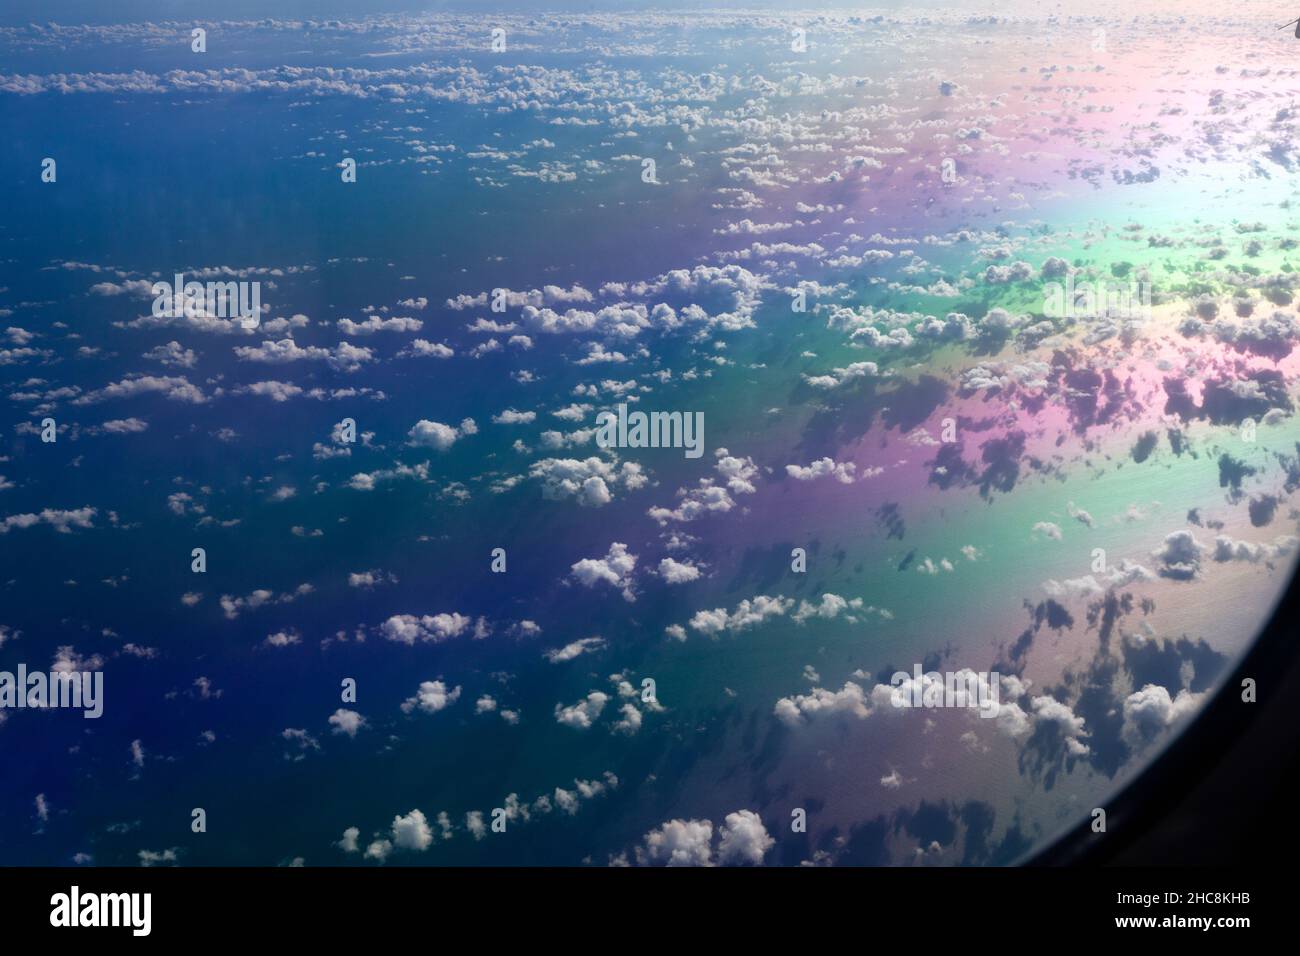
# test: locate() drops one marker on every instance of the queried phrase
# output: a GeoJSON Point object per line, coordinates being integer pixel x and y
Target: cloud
{"type": "Point", "coordinates": [154, 857]}
{"type": "Point", "coordinates": [173, 388]}
{"type": "Point", "coordinates": [234, 606]}
{"type": "Point", "coordinates": [584, 713]}
{"type": "Point", "coordinates": [370, 579]}
{"type": "Point", "coordinates": [432, 697]}
{"type": "Point", "coordinates": [695, 503]}
{"type": "Point", "coordinates": [630, 722]}
{"type": "Point", "coordinates": [851, 700]}
{"type": "Point", "coordinates": [349, 842]}
{"type": "Point", "coordinates": [62, 521]}
{"type": "Point", "coordinates": [831, 606]}
{"type": "Point", "coordinates": [1049, 710]}
{"type": "Point", "coordinates": [1048, 530]}
{"type": "Point", "coordinates": [591, 481]}
{"type": "Point", "coordinates": [568, 652]}
{"type": "Point", "coordinates": [285, 638]}
{"type": "Point", "coordinates": [678, 572]}
{"type": "Point", "coordinates": [1121, 575]}
{"type": "Point", "coordinates": [411, 832]}
{"type": "Point", "coordinates": [124, 426]}
{"type": "Point", "coordinates": [422, 348]}
{"type": "Point", "coordinates": [347, 722]}
{"type": "Point", "coordinates": [429, 434]}
{"type": "Point", "coordinates": [739, 475]}
{"type": "Point", "coordinates": [172, 354]}
{"type": "Point", "coordinates": [1179, 556]}
{"type": "Point", "coordinates": [839, 377]}
{"type": "Point", "coordinates": [1078, 514]}
{"type": "Point", "coordinates": [1150, 710]}
{"type": "Point", "coordinates": [748, 613]}
{"type": "Point", "coordinates": [344, 357]}
{"type": "Point", "coordinates": [429, 629]}
{"type": "Point", "coordinates": [1228, 549]}
{"type": "Point", "coordinates": [678, 843]}
{"type": "Point", "coordinates": [743, 840]}
{"type": "Point", "coordinates": [368, 481]}
{"type": "Point", "coordinates": [845, 472]}
{"type": "Point", "coordinates": [374, 323]}
{"type": "Point", "coordinates": [276, 391]}
{"type": "Point", "coordinates": [927, 566]}
{"type": "Point", "coordinates": [615, 569]}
